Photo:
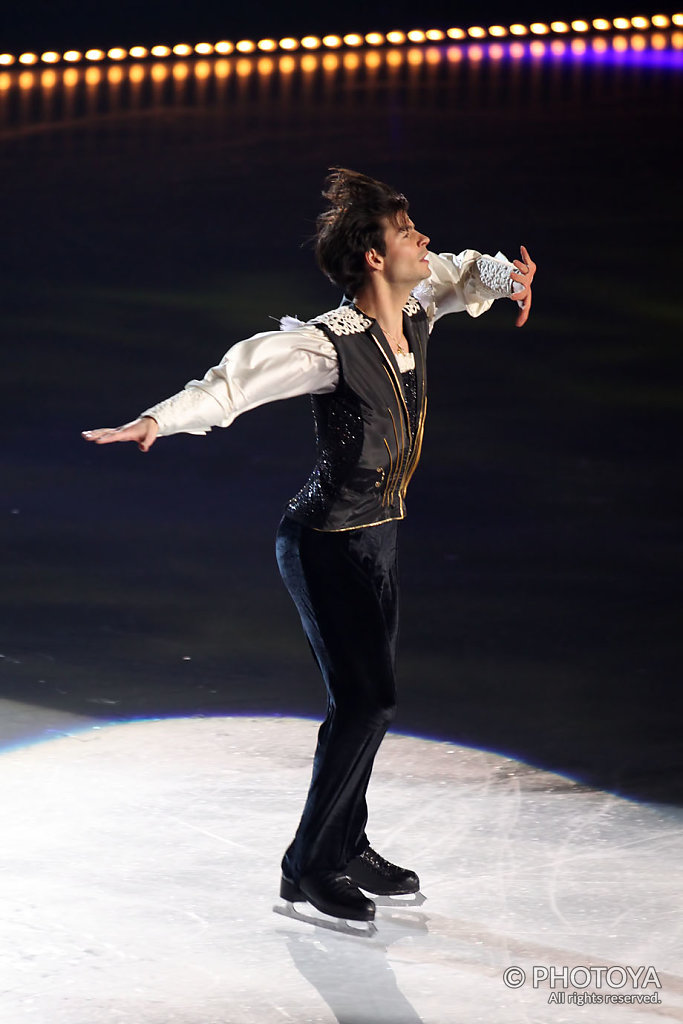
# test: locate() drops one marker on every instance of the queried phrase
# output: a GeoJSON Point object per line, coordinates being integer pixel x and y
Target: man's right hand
{"type": "Point", "coordinates": [143, 431]}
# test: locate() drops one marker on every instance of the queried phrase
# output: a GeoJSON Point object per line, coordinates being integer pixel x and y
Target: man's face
{"type": "Point", "coordinates": [405, 261]}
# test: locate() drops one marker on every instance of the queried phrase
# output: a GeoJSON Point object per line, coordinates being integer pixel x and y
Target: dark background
{"type": "Point", "coordinates": [81, 23]}
{"type": "Point", "coordinates": [541, 557]}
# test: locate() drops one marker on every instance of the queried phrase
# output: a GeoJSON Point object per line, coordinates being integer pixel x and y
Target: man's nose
{"type": "Point", "coordinates": [424, 239]}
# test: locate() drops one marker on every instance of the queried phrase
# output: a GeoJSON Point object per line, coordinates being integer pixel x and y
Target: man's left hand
{"type": "Point", "coordinates": [526, 268]}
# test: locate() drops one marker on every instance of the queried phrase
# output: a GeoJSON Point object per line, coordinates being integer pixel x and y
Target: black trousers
{"type": "Point", "coordinates": [345, 588]}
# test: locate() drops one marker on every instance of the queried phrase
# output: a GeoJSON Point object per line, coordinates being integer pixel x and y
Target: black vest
{"type": "Point", "coordinates": [366, 449]}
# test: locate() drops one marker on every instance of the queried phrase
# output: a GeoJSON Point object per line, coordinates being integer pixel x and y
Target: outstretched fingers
{"type": "Point", "coordinates": [526, 265]}
{"type": "Point", "coordinates": [104, 435]}
{"type": "Point", "coordinates": [143, 431]}
{"type": "Point", "coordinates": [524, 275]}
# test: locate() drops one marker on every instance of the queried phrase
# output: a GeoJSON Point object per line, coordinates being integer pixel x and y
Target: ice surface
{"type": "Point", "coordinates": [140, 871]}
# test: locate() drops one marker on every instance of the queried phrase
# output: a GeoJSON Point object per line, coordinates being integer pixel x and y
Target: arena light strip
{"type": "Point", "coordinates": [350, 40]}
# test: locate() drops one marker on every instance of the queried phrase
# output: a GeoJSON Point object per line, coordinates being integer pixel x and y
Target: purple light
{"type": "Point", "coordinates": [566, 51]}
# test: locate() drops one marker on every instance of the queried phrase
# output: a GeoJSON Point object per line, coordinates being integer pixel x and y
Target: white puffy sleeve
{"type": "Point", "coordinates": [268, 367]}
{"type": "Point", "coordinates": [466, 281]}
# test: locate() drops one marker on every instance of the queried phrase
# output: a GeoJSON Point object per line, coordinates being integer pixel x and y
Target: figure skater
{"type": "Point", "coordinates": [364, 364]}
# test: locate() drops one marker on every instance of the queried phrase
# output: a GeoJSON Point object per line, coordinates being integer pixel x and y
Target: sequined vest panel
{"type": "Point", "coordinates": [367, 447]}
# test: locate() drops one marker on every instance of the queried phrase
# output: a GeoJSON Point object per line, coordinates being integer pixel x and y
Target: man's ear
{"type": "Point", "coordinates": [374, 259]}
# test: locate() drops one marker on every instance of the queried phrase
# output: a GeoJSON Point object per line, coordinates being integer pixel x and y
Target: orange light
{"type": "Point", "coordinates": [374, 39]}
{"type": "Point", "coordinates": [414, 57]}
{"type": "Point", "coordinates": [48, 79]}
{"type": "Point", "coordinates": [517, 50]}
{"type": "Point", "coordinates": [394, 58]}
{"type": "Point", "coordinates": [203, 69]}
{"type": "Point", "coordinates": [115, 75]}
{"type": "Point", "coordinates": [93, 76]}
{"type": "Point", "coordinates": [70, 77]}
{"type": "Point", "coordinates": [537, 48]}
{"type": "Point", "coordinates": [221, 68]}
{"type": "Point", "coordinates": [557, 47]}
{"type": "Point", "coordinates": [330, 62]}
{"type": "Point", "coordinates": [454, 54]}
{"type": "Point", "coordinates": [475, 53]}
{"type": "Point", "coordinates": [309, 62]}
{"type": "Point", "coordinates": [620, 44]}
{"type": "Point", "coordinates": [496, 51]}
{"type": "Point", "coordinates": [136, 73]}
{"type": "Point", "coordinates": [286, 65]}
{"type": "Point", "coordinates": [180, 72]}
{"type": "Point", "coordinates": [159, 72]}
{"type": "Point", "coordinates": [599, 45]}
{"type": "Point", "coordinates": [5, 79]}
{"type": "Point", "coordinates": [25, 80]}
{"type": "Point", "coordinates": [433, 56]}
{"type": "Point", "coordinates": [677, 40]}
{"type": "Point", "coordinates": [372, 59]}
{"type": "Point", "coordinates": [658, 41]}
{"type": "Point", "coordinates": [351, 61]}
{"type": "Point", "coordinates": [243, 67]}
{"type": "Point", "coordinates": [578, 46]}
{"type": "Point", "coordinates": [677, 19]}
{"type": "Point", "coordinates": [265, 66]}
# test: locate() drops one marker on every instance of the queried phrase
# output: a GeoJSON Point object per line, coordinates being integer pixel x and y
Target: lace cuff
{"type": "Point", "coordinates": [495, 276]}
{"type": "Point", "coordinates": [192, 411]}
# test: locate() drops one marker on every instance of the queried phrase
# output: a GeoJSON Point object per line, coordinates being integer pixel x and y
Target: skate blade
{"type": "Point", "coordinates": [360, 929]}
{"type": "Point", "coordinates": [413, 899]}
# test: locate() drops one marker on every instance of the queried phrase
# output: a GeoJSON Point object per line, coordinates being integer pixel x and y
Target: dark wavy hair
{"type": "Point", "coordinates": [353, 224]}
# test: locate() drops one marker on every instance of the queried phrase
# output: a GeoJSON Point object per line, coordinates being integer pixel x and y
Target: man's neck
{"type": "Point", "coordinates": [384, 304]}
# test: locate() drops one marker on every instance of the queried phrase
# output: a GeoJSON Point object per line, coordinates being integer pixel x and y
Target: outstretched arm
{"type": "Point", "coordinates": [265, 368]}
{"type": "Point", "coordinates": [472, 282]}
